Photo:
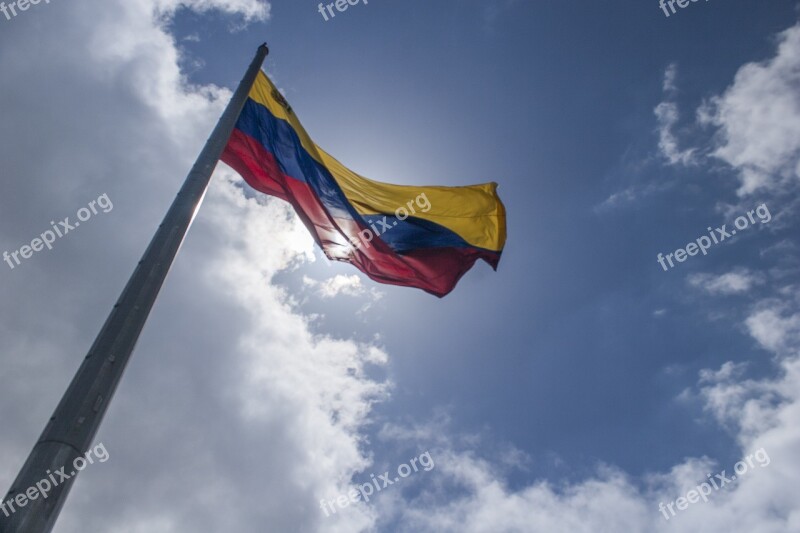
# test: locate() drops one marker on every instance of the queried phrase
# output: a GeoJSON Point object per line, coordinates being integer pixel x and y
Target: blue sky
{"type": "Point", "coordinates": [579, 371]}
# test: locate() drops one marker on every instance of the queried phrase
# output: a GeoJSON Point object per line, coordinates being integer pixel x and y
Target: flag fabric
{"type": "Point", "coordinates": [417, 236]}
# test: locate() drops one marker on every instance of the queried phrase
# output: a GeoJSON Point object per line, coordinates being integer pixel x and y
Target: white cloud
{"type": "Point", "coordinates": [667, 116]}
{"type": "Point", "coordinates": [250, 10]}
{"type": "Point", "coordinates": [670, 75]}
{"type": "Point", "coordinates": [773, 330]}
{"type": "Point", "coordinates": [758, 119]}
{"type": "Point", "coordinates": [736, 281]}
{"type": "Point", "coordinates": [339, 284]}
{"type": "Point", "coordinates": [629, 196]}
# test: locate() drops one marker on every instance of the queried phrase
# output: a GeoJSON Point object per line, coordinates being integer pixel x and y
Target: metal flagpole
{"type": "Point", "coordinates": [70, 431]}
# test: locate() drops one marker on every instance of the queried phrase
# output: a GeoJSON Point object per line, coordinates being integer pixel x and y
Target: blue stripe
{"type": "Point", "coordinates": [413, 233]}
{"type": "Point", "coordinates": [279, 138]}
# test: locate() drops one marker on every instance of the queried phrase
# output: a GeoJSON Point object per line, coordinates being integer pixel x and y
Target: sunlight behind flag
{"type": "Point", "coordinates": [425, 237]}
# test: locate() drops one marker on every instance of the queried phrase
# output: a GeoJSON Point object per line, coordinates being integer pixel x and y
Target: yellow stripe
{"type": "Point", "coordinates": [473, 212]}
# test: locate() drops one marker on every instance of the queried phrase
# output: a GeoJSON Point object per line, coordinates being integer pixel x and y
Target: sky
{"type": "Point", "coordinates": [583, 387]}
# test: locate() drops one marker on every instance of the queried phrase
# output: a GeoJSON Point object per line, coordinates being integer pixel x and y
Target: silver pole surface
{"type": "Point", "coordinates": [74, 424]}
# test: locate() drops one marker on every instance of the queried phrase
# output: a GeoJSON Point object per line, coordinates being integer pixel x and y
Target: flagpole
{"type": "Point", "coordinates": [70, 431]}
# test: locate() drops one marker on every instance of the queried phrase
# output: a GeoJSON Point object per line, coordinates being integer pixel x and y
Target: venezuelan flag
{"type": "Point", "coordinates": [424, 237]}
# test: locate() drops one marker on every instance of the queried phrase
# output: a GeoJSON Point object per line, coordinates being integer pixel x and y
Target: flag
{"type": "Point", "coordinates": [416, 236]}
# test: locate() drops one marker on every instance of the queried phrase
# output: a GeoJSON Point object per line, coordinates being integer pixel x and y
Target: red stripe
{"type": "Point", "coordinates": [435, 270]}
